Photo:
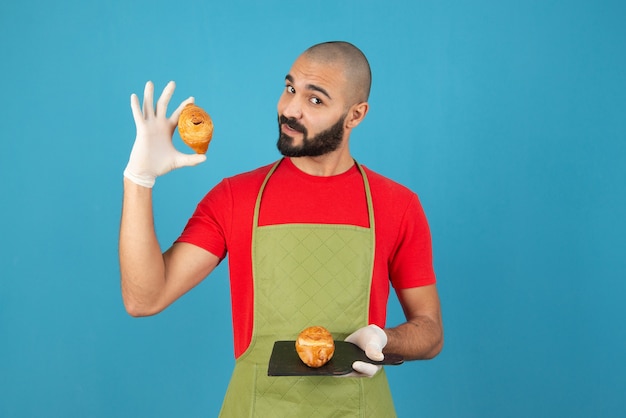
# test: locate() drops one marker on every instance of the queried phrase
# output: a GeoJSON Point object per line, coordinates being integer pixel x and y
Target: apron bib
{"type": "Point", "coordinates": [307, 274]}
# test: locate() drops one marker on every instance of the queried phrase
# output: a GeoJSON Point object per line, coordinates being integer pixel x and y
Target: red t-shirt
{"type": "Point", "coordinates": [222, 224]}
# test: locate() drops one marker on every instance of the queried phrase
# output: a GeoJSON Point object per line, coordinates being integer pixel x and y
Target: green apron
{"type": "Point", "coordinates": [307, 274]}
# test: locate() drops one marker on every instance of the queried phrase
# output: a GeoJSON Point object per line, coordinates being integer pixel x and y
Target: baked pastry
{"type": "Point", "coordinates": [315, 346]}
{"type": "Point", "coordinates": [195, 128]}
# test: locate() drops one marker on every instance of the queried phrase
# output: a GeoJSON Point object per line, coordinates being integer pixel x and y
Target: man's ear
{"type": "Point", "coordinates": [356, 114]}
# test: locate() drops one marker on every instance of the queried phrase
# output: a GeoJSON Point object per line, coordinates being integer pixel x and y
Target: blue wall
{"type": "Point", "coordinates": [507, 118]}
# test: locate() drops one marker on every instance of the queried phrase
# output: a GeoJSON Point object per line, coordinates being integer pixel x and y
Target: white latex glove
{"type": "Point", "coordinates": [371, 339]}
{"type": "Point", "coordinates": [153, 153]}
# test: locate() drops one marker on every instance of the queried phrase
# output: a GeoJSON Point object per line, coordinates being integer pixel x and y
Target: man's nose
{"type": "Point", "coordinates": [293, 109]}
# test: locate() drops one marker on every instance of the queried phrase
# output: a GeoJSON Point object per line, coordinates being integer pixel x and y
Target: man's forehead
{"type": "Point", "coordinates": [310, 86]}
{"type": "Point", "coordinates": [326, 78]}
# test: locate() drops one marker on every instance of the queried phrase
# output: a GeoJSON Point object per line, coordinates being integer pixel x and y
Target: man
{"type": "Point", "coordinates": [313, 239]}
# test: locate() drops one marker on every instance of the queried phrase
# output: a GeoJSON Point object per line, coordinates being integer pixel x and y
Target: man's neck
{"type": "Point", "coordinates": [325, 165]}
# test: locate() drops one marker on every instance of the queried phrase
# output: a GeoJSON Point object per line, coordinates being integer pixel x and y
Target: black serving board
{"type": "Point", "coordinates": [284, 360]}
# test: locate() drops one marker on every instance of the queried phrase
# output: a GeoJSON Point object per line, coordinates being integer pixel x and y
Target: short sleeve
{"type": "Point", "coordinates": [207, 226]}
{"type": "Point", "coordinates": [411, 264]}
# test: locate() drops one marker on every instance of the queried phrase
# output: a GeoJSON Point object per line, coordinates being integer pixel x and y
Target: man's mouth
{"type": "Point", "coordinates": [290, 129]}
{"type": "Point", "coordinates": [291, 126]}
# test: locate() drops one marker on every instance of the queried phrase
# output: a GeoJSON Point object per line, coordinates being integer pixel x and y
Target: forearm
{"type": "Point", "coordinates": [141, 261]}
{"type": "Point", "coordinates": [419, 338]}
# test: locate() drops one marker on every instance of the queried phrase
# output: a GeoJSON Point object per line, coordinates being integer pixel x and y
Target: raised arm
{"type": "Point", "coordinates": [151, 280]}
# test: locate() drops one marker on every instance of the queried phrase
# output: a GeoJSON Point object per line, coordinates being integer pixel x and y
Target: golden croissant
{"type": "Point", "coordinates": [195, 128]}
{"type": "Point", "coordinates": [315, 346]}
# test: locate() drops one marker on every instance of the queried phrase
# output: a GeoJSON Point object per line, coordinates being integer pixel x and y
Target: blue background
{"type": "Point", "coordinates": [508, 118]}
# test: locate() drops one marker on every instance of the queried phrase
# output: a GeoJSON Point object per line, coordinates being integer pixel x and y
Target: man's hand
{"type": "Point", "coordinates": [153, 153]}
{"type": "Point", "coordinates": [371, 339]}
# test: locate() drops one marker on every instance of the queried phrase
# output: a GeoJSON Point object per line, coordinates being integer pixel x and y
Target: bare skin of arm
{"type": "Point", "coordinates": [421, 337]}
{"type": "Point", "coordinates": [152, 280]}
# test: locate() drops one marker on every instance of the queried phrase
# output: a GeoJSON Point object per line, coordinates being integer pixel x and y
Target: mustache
{"type": "Point", "coordinates": [292, 123]}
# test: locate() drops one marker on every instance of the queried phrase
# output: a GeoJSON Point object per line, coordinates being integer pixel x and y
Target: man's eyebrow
{"type": "Point", "coordinates": [314, 87]}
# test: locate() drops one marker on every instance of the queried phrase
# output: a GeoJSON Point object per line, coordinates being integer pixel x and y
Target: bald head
{"type": "Point", "coordinates": [352, 60]}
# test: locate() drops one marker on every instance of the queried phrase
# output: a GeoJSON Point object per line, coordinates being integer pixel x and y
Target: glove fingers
{"type": "Point", "coordinates": [186, 160]}
{"type": "Point", "coordinates": [374, 352]}
{"type": "Point", "coordinates": [365, 368]}
{"type": "Point", "coordinates": [134, 105]}
{"type": "Point", "coordinates": [370, 339]}
{"type": "Point", "coordinates": [179, 109]}
{"type": "Point", "coordinates": [148, 100]}
{"type": "Point", "coordinates": [164, 99]}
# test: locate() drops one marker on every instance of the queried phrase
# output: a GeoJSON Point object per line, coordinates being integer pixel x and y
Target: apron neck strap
{"type": "Point", "coordinates": [368, 193]}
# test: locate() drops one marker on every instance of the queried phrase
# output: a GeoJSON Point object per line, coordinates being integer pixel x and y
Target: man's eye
{"type": "Point", "coordinates": [290, 89]}
{"type": "Point", "coordinates": [315, 100]}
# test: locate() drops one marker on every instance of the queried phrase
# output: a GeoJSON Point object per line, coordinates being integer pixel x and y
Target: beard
{"type": "Point", "coordinates": [321, 144]}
